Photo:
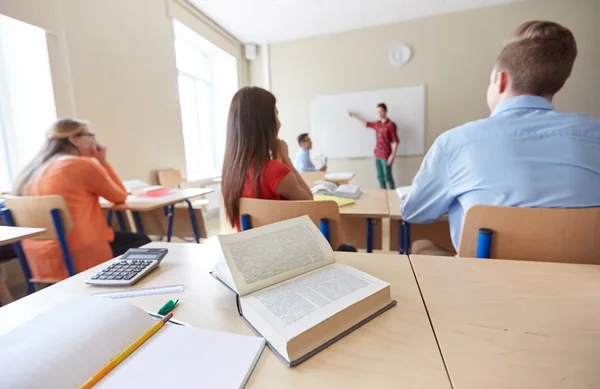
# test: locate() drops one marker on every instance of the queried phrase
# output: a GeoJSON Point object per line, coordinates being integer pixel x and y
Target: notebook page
{"type": "Point", "coordinates": [264, 256]}
{"type": "Point", "coordinates": [66, 346]}
{"type": "Point", "coordinates": [184, 357]}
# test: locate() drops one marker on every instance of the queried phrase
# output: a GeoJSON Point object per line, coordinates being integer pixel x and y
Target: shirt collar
{"type": "Point", "coordinates": [524, 102]}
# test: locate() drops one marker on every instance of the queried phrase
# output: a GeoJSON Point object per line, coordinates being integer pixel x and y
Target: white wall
{"type": "Point", "coordinates": [452, 55]}
{"type": "Point", "coordinates": [113, 63]}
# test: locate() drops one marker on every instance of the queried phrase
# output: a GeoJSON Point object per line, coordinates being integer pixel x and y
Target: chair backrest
{"type": "Point", "coordinates": [34, 211]}
{"type": "Point", "coordinates": [170, 178]}
{"type": "Point", "coordinates": [311, 177]}
{"type": "Point", "coordinates": [535, 234]}
{"type": "Point", "coordinates": [263, 212]}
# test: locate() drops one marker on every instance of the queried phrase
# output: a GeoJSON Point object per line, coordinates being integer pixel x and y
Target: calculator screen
{"type": "Point", "coordinates": [142, 256]}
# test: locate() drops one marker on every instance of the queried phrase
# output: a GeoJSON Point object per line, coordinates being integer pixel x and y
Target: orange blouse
{"type": "Point", "coordinates": [80, 181]}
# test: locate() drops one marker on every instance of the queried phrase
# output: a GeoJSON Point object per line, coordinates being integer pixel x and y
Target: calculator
{"type": "Point", "coordinates": [129, 268]}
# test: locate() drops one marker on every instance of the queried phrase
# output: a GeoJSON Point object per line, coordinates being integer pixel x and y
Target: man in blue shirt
{"type": "Point", "coordinates": [526, 154]}
{"type": "Point", "coordinates": [302, 162]}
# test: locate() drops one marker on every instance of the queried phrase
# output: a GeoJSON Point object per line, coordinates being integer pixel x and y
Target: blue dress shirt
{"type": "Point", "coordinates": [526, 154]}
{"type": "Point", "coordinates": [302, 162]}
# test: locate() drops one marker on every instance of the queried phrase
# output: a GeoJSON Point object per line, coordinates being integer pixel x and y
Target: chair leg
{"type": "Point", "coordinates": [193, 220]}
{"type": "Point", "coordinates": [171, 220]}
{"type": "Point", "coordinates": [324, 227]}
{"type": "Point", "coordinates": [62, 240]}
{"type": "Point", "coordinates": [369, 235]}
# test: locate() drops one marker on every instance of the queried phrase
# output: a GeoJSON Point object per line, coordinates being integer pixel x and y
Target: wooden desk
{"type": "Point", "coordinates": [395, 350]}
{"type": "Point", "coordinates": [514, 324]}
{"type": "Point", "coordinates": [364, 219]}
{"type": "Point", "coordinates": [10, 235]}
{"type": "Point", "coordinates": [438, 232]}
{"type": "Point", "coordinates": [136, 204]}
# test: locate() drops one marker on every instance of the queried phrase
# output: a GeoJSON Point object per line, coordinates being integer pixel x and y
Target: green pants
{"type": "Point", "coordinates": [384, 174]}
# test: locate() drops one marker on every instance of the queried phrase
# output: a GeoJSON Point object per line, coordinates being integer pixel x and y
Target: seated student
{"type": "Point", "coordinates": [526, 154]}
{"type": "Point", "coordinates": [72, 164]}
{"type": "Point", "coordinates": [257, 163]}
{"type": "Point", "coordinates": [302, 162]}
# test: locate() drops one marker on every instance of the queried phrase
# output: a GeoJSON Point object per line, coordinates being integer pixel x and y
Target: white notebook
{"type": "Point", "coordinates": [67, 345]}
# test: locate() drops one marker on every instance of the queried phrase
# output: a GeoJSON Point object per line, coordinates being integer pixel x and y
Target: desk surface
{"type": "Point", "coordinates": [394, 203]}
{"type": "Point", "coordinates": [372, 203]}
{"type": "Point", "coordinates": [10, 235]}
{"type": "Point", "coordinates": [514, 324]}
{"type": "Point", "coordinates": [395, 350]}
{"type": "Point", "coordinates": [134, 203]}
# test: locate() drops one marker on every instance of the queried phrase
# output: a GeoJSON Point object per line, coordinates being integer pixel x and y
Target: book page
{"type": "Point", "coordinates": [66, 346]}
{"type": "Point", "coordinates": [264, 256]}
{"type": "Point", "coordinates": [324, 187]}
{"type": "Point", "coordinates": [299, 304]}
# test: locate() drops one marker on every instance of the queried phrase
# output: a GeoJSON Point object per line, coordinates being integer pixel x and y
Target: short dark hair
{"type": "Point", "coordinates": [383, 106]}
{"type": "Point", "coordinates": [301, 138]}
{"type": "Point", "coordinates": [539, 57]}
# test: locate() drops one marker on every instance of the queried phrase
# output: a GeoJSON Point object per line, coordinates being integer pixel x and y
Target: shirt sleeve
{"type": "Point", "coordinates": [429, 197]}
{"type": "Point", "coordinates": [102, 181]}
{"type": "Point", "coordinates": [371, 125]}
{"type": "Point", "coordinates": [274, 172]}
{"type": "Point", "coordinates": [394, 133]}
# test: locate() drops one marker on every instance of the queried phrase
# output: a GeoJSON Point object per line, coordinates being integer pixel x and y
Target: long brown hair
{"type": "Point", "coordinates": [57, 143]}
{"type": "Point", "coordinates": [251, 142]}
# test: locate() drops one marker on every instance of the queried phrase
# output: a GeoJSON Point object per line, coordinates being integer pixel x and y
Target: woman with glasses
{"type": "Point", "coordinates": [72, 164]}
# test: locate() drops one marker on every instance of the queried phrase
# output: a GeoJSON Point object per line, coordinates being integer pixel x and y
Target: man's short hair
{"type": "Point", "coordinates": [383, 106]}
{"type": "Point", "coordinates": [301, 138]}
{"type": "Point", "coordinates": [539, 57]}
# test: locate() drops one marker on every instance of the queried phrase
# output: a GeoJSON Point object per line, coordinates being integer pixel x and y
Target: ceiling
{"type": "Point", "coordinates": [267, 21]}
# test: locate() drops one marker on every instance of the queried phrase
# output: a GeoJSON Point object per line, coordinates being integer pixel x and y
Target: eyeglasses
{"type": "Point", "coordinates": [87, 134]}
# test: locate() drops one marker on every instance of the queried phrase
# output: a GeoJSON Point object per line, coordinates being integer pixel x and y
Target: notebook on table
{"type": "Point", "coordinates": [341, 202]}
{"type": "Point", "coordinates": [331, 189]}
{"type": "Point", "coordinates": [291, 291]}
{"type": "Point", "coordinates": [67, 345]}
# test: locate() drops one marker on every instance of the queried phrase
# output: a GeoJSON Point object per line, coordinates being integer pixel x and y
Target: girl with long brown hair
{"type": "Point", "coordinates": [73, 164]}
{"type": "Point", "coordinates": [257, 164]}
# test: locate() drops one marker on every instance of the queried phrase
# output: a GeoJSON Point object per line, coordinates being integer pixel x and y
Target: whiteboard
{"type": "Point", "coordinates": [335, 134]}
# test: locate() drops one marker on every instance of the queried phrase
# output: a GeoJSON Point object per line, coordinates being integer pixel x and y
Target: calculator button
{"type": "Point", "coordinates": [119, 277]}
{"type": "Point", "coordinates": [130, 276]}
{"type": "Point", "coordinates": [102, 277]}
{"type": "Point", "coordinates": [95, 277]}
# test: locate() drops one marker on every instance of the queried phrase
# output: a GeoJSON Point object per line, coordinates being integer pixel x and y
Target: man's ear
{"type": "Point", "coordinates": [502, 81]}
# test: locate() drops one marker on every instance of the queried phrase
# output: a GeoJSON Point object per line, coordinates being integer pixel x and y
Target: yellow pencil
{"type": "Point", "coordinates": [124, 354]}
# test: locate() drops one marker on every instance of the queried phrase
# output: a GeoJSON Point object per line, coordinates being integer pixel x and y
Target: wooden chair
{"type": "Point", "coordinates": [311, 177]}
{"type": "Point", "coordinates": [170, 178]}
{"type": "Point", "coordinates": [534, 234]}
{"type": "Point", "coordinates": [263, 212]}
{"type": "Point", "coordinates": [49, 212]}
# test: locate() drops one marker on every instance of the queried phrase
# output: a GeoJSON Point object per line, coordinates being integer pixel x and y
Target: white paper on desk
{"type": "Point", "coordinates": [183, 357]}
{"type": "Point", "coordinates": [339, 176]}
{"type": "Point", "coordinates": [403, 191]}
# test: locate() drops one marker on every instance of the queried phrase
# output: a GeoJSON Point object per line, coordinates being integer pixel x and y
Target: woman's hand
{"type": "Point", "coordinates": [283, 152]}
{"type": "Point", "coordinates": [100, 153]}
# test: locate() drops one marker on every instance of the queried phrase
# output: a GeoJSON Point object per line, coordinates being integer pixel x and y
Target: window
{"type": "Point", "coordinates": [27, 106]}
{"type": "Point", "coordinates": [208, 79]}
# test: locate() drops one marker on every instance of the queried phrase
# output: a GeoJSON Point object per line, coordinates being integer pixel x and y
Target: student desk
{"type": "Point", "coordinates": [10, 235]}
{"type": "Point", "coordinates": [396, 349]}
{"type": "Point", "coordinates": [514, 324]}
{"type": "Point", "coordinates": [403, 234]}
{"type": "Point", "coordinates": [136, 205]}
{"type": "Point", "coordinates": [364, 219]}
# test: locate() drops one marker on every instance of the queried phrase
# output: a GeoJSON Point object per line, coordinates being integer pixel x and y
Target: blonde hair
{"type": "Point", "coordinates": [57, 143]}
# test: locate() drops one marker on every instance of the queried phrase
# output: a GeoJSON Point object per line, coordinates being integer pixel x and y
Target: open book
{"type": "Point", "coordinates": [291, 290]}
{"type": "Point", "coordinates": [331, 189]}
{"type": "Point", "coordinates": [67, 345]}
